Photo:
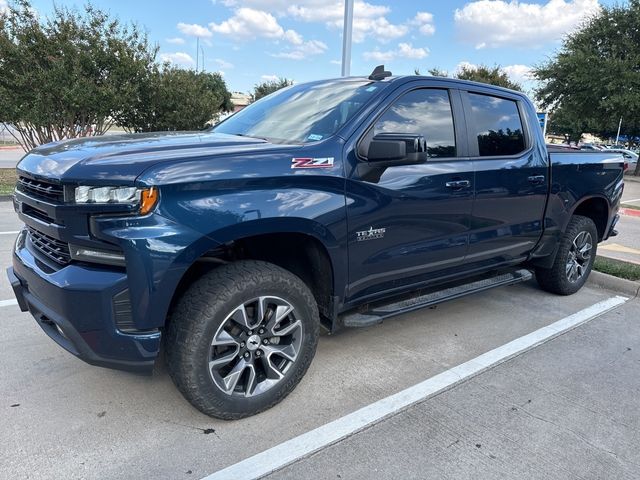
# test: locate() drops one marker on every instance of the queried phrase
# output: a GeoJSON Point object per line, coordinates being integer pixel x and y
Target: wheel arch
{"type": "Point", "coordinates": [304, 248]}
{"type": "Point", "coordinates": [595, 207]}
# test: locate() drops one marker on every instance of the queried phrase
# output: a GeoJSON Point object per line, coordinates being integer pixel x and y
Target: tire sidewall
{"type": "Point", "coordinates": [280, 284]}
{"type": "Point", "coordinates": [578, 224]}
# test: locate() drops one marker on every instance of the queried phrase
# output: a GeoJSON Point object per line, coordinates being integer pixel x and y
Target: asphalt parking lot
{"type": "Point", "coordinates": [567, 408]}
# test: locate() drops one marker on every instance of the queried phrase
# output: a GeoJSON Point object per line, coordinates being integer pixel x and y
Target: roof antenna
{"type": "Point", "coordinates": [379, 73]}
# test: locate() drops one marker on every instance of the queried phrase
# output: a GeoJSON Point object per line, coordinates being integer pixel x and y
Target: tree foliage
{"type": "Point", "coordinates": [481, 73]}
{"type": "Point", "coordinates": [265, 88]}
{"type": "Point", "coordinates": [594, 79]}
{"type": "Point", "coordinates": [491, 75]}
{"type": "Point", "coordinates": [177, 99]}
{"type": "Point", "coordinates": [79, 72]}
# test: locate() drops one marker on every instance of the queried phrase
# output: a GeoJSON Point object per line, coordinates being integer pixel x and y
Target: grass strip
{"type": "Point", "coordinates": [628, 271]}
{"type": "Point", "coordinates": [7, 180]}
{"type": "Point", "coordinates": [628, 205]}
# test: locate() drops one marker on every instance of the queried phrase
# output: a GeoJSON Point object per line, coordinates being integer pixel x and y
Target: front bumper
{"type": "Point", "coordinates": [74, 306]}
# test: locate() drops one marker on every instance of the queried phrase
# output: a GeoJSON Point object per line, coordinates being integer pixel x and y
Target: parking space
{"type": "Point", "coordinates": [566, 409]}
{"type": "Point", "coordinates": [626, 245]}
{"type": "Point", "coordinates": [65, 419]}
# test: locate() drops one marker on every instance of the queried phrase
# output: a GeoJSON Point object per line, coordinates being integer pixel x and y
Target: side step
{"type": "Point", "coordinates": [378, 313]}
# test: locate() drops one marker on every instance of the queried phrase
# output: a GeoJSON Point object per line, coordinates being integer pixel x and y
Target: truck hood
{"type": "Point", "coordinates": [122, 158]}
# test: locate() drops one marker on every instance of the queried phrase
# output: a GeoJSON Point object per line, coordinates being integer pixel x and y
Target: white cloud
{"type": "Point", "coordinates": [368, 20]}
{"type": "Point", "coordinates": [293, 37]}
{"type": "Point", "coordinates": [175, 40]}
{"type": "Point", "coordinates": [3, 6]}
{"type": "Point", "coordinates": [496, 23]}
{"type": "Point", "coordinates": [519, 73]}
{"type": "Point", "coordinates": [335, 62]}
{"type": "Point", "coordinates": [278, 6]}
{"type": "Point", "coordinates": [248, 23]}
{"type": "Point", "coordinates": [194, 30]}
{"type": "Point", "coordinates": [178, 58]}
{"type": "Point", "coordinates": [300, 52]}
{"type": "Point", "coordinates": [424, 22]}
{"type": "Point", "coordinates": [270, 78]}
{"type": "Point", "coordinates": [223, 63]}
{"type": "Point", "coordinates": [404, 50]}
{"type": "Point", "coordinates": [465, 65]}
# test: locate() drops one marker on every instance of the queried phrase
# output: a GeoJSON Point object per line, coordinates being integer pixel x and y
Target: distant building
{"type": "Point", "coordinates": [239, 100]}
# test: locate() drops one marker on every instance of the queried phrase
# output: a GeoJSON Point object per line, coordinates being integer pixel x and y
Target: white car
{"type": "Point", "coordinates": [630, 157]}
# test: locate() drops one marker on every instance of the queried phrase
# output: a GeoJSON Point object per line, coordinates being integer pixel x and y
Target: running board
{"type": "Point", "coordinates": [378, 313]}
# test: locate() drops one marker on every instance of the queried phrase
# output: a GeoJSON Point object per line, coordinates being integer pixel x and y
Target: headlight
{"type": "Point", "coordinates": [107, 194]}
{"type": "Point", "coordinates": [145, 197]}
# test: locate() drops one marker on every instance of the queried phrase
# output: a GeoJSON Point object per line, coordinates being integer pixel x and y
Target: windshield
{"type": "Point", "coordinates": [301, 113]}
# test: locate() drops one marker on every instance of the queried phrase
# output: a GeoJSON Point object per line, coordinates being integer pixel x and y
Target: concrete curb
{"type": "Point", "coordinates": [630, 212]}
{"type": "Point", "coordinates": [631, 178]}
{"type": "Point", "coordinates": [618, 285]}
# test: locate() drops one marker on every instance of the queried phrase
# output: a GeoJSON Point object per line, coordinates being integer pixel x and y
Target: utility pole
{"type": "Point", "coordinates": [202, 50]}
{"type": "Point", "coordinates": [346, 38]}
{"type": "Point", "coordinates": [197, 51]}
{"type": "Point", "coordinates": [618, 135]}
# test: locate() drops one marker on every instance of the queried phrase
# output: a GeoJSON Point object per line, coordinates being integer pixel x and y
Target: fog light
{"type": "Point", "coordinates": [94, 255]}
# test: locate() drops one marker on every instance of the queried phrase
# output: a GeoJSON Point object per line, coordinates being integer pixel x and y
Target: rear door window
{"type": "Point", "coordinates": [497, 125]}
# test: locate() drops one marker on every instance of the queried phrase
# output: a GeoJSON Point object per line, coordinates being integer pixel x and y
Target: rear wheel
{"type": "Point", "coordinates": [241, 338]}
{"type": "Point", "coordinates": [573, 263]}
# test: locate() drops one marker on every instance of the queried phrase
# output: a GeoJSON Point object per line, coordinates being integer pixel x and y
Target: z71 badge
{"type": "Point", "coordinates": [323, 162]}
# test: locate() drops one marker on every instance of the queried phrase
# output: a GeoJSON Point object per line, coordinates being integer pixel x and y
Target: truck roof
{"type": "Point", "coordinates": [399, 79]}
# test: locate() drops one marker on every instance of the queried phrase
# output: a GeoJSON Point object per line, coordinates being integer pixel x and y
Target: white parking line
{"type": "Point", "coordinates": [6, 303]}
{"type": "Point", "coordinates": [10, 233]}
{"type": "Point", "coordinates": [308, 443]}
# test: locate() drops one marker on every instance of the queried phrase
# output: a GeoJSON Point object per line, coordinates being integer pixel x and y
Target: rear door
{"type": "Point", "coordinates": [511, 179]}
{"type": "Point", "coordinates": [407, 223]}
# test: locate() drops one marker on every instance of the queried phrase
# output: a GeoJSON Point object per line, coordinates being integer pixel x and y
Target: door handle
{"type": "Point", "coordinates": [536, 179]}
{"type": "Point", "coordinates": [458, 184]}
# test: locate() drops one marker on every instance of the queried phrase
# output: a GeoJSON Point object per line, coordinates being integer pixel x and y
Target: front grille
{"type": "Point", "coordinates": [56, 250]}
{"type": "Point", "coordinates": [40, 189]}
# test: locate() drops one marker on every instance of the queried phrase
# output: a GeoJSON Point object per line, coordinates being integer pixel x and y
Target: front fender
{"type": "Point", "coordinates": [226, 211]}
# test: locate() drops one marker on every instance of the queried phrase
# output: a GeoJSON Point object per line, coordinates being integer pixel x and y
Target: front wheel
{"type": "Point", "coordinates": [241, 338]}
{"type": "Point", "coordinates": [573, 263]}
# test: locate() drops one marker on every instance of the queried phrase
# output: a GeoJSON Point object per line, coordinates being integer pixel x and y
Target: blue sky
{"type": "Point", "coordinates": [253, 40]}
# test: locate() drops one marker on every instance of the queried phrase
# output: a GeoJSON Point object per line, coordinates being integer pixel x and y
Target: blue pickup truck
{"type": "Point", "coordinates": [329, 204]}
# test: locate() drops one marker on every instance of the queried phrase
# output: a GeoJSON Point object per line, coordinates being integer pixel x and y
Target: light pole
{"type": "Point", "coordinates": [618, 134]}
{"type": "Point", "coordinates": [346, 38]}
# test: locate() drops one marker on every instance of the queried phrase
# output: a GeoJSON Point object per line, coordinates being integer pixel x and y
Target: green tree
{"type": "Point", "coordinates": [265, 88]}
{"type": "Point", "coordinates": [491, 75]}
{"type": "Point", "coordinates": [68, 75]}
{"type": "Point", "coordinates": [482, 73]}
{"type": "Point", "coordinates": [78, 73]}
{"type": "Point", "coordinates": [594, 79]}
{"type": "Point", "coordinates": [177, 99]}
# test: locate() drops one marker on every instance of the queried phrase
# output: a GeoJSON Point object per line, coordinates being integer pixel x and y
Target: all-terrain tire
{"type": "Point", "coordinates": [200, 314]}
{"type": "Point", "coordinates": [556, 279]}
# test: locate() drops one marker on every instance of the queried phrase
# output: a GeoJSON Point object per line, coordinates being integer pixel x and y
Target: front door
{"type": "Point", "coordinates": [406, 223]}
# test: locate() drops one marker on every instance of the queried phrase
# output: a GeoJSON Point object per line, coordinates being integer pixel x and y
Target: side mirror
{"type": "Point", "coordinates": [389, 149]}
